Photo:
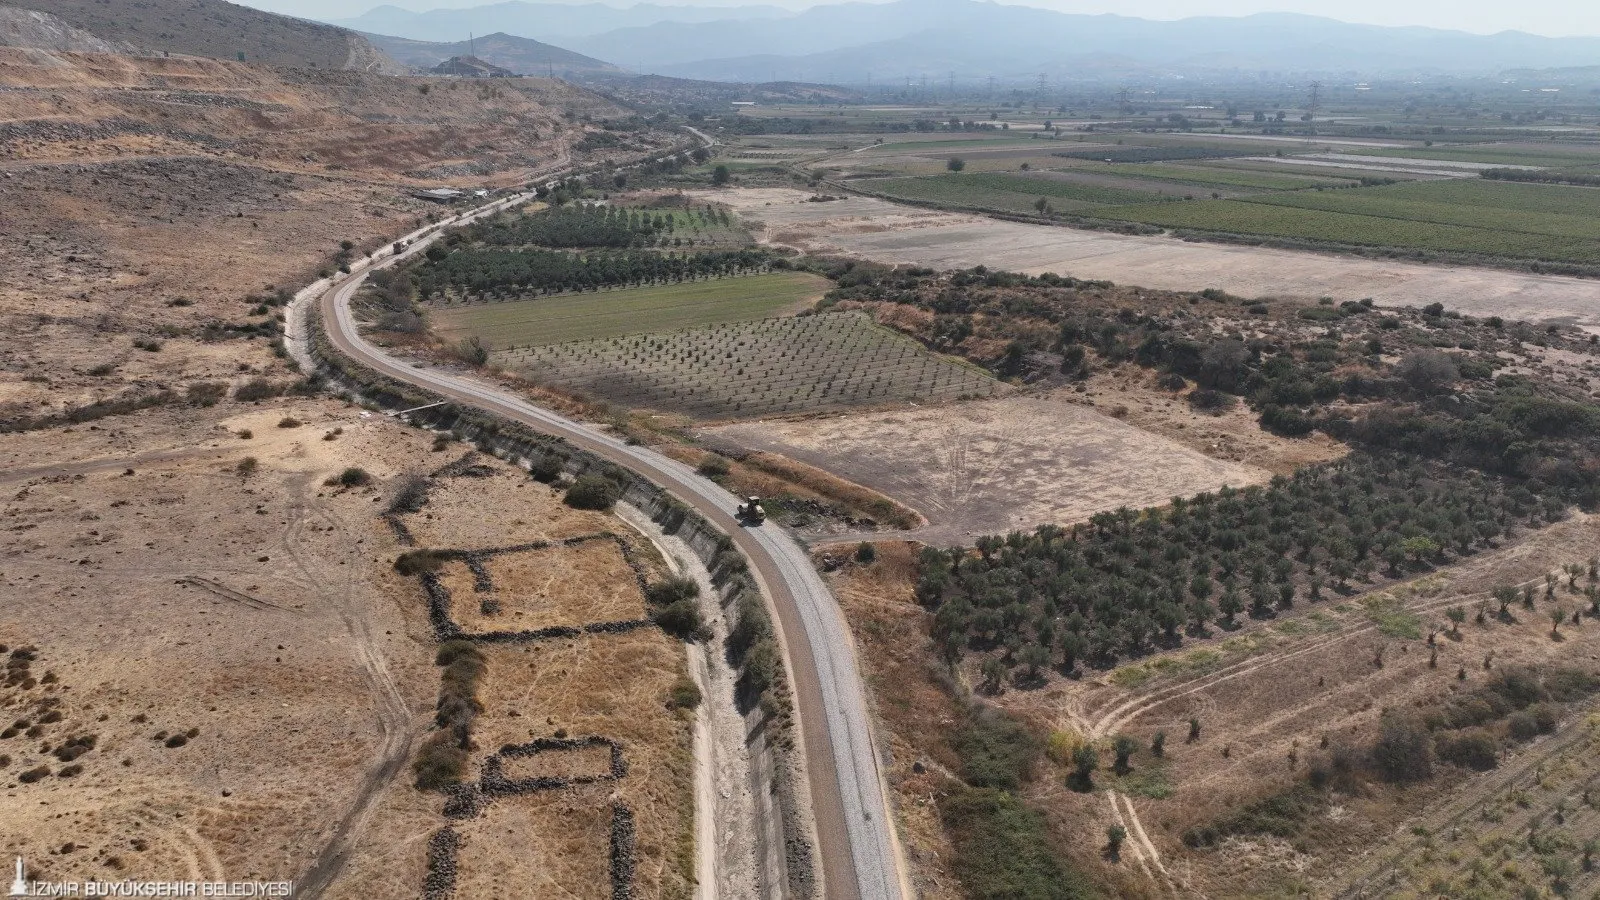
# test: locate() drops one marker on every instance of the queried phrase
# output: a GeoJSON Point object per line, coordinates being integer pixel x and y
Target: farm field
{"type": "Point", "coordinates": [610, 313]}
{"type": "Point", "coordinates": [975, 188]}
{"type": "Point", "coordinates": [996, 465]}
{"type": "Point", "coordinates": [1502, 154]}
{"type": "Point", "coordinates": [893, 233]}
{"type": "Point", "coordinates": [772, 367]}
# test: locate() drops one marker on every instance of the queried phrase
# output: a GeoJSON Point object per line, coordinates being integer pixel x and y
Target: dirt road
{"type": "Point", "coordinates": [858, 852]}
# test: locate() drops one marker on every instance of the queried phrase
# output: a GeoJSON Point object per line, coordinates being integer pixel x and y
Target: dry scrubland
{"type": "Point", "coordinates": [886, 232]}
{"type": "Point", "coordinates": [289, 667]}
{"type": "Point", "coordinates": [1266, 698]}
{"type": "Point", "coordinates": [160, 201]}
{"type": "Point", "coordinates": [554, 842]}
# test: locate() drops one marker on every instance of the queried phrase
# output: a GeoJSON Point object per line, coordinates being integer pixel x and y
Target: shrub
{"type": "Point", "coordinates": [670, 591]}
{"type": "Point", "coordinates": [1211, 401]}
{"type": "Point", "coordinates": [593, 492]}
{"type": "Point", "coordinates": [257, 389]}
{"type": "Point", "coordinates": [714, 465]}
{"type": "Point", "coordinates": [177, 740]}
{"type": "Point", "coordinates": [866, 553]}
{"type": "Point", "coordinates": [996, 751]}
{"type": "Point", "coordinates": [410, 492]}
{"type": "Point", "coordinates": [354, 477]}
{"type": "Point", "coordinates": [415, 562]}
{"type": "Point", "coordinates": [685, 694]}
{"type": "Point", "coordinates": [440, 763]}
{"type": "Point", "coordinates": [246, 434]}
{"type": "Point", "coordinates": [955, 164]}
{"type": "Point", "coordinates": [1403, 751]}
{"type": "Point", "coordinates": [34, 774]}
{"type": "Point", "coordinates": [1472, 748]}
{"type": "Point", "coordinates": [289, 422]}
{"type": "Point", "coordinates": [680, 619]}
{"type": "Point", "coordinates": [1003, 849]}
{"type": "Point", "coordinates": [547, 468]}
{"type": "Point", "coordinates": [206, 393]}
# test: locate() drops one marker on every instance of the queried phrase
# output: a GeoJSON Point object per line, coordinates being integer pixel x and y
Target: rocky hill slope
{"type": "Point", "coordinates": [214, 29]}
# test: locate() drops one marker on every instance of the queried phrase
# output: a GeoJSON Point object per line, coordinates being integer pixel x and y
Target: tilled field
{"type": "Point", "coordinates": [774, 367]}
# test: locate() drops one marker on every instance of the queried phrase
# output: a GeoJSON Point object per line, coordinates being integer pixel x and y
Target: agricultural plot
{"type": "Point", "coordinates": [1207, 176]}
{"type": "Point", "coordinates": [1501, 154]}
{"type": "Point", "coordinates": [587, 316]}
{"type": "Point", "coordinates": [1274, 220]}
{"type": "Point", "coordinates": [769, 368]}
{"type": "Point", "coordinates": [1014, 193]}
{"type": "Point", "coordinates": [998, 465]}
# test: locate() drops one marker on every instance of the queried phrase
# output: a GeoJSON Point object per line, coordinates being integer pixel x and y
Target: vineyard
{"type": "Point", "coordinates": [611, 313]}
{"type": "Point", "coordinates": [1014, 193]}
{"type": "Point", "coordinates": [772, 367]}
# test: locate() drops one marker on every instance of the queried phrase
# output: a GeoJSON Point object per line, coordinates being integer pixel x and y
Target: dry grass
{"type": "Point", "coordinates": [588, 582]}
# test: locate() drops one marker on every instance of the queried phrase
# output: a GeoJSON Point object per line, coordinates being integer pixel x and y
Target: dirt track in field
{"type": "Point", "coordinates": [889, 232]}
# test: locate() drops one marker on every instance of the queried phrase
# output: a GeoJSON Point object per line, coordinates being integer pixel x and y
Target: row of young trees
{"type": "Point", "coordinates": [477, 270]}
{"type": "Point", "coordinates": [584, 225]}
{"type": "Point", "coordinates": [1128, 581]}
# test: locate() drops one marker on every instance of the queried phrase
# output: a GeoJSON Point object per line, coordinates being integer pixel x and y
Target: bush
{"type": "Point", "coordinates": [206, 393]}
{"type": "Point", "coordinates": [289, 422]}
{"type": "Point", "coordinates": [354, 477]}
{"type": "Point", "coordinates": [685, 694]}
{"type": "Point", "coordinates": [415, 562]}
{"type": "Point", "coordinates": [680, 619]}
{"type": "Point", "coordinates": [670, 591]}
{"type": "Point", "coordinates": [1003, 849]}
{"type": "Point", "coordinates": [440, 763]}
{"type": "Point", "coordinates": [257, 389]}
{"type": "Point", "coordinates": [996, 751]}
{"type": "Point", "coordinates": [410, 492]}
{"type": "Point", "coordinates": [1403, 751]}
{"type": "Point", "coordinates": [1472, 748]}
{"type": "Point", "coordinates": [247, 466]}
{"type": "Point", "coordinates": [593, 492]}
{"type": "Point", "coordinates": [713, 466]}
{"type": "Point", "coordinates": [1211, 401]}
{"type": "Point", "coordinates": [34, 774]}
{"type": "Point", "coordinates": [546, 469]}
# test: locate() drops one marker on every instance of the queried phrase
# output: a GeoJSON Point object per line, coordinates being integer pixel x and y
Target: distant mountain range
{"type": "Point", "coordinates": [522, 56]}
{"type": "Point", "coordinates": [972, 39]}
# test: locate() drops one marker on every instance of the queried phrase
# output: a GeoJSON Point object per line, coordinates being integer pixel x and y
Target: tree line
{"type": "Point", "coordinates": [477, 270]}
{"type": "Point", "coordinates": [1129, 581]}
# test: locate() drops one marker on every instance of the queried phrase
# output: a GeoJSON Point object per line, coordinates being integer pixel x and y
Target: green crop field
{"type": "Point", "coordinates": [1207, 176]}
{"type": "Point", "coordinates": [773, 367]}
{"type": "Point", "coordinates": [1549, 210]}
{"type": "Point", "coordinates": [1277, 220]}
{"type": "Point", "coordinates": [1499, 154]}
{"type": "Point", "coordinates": [957, 144]}
{"type": "Point", "coordinates": [1012, 193]}
{"type": "Point", "coordinates": [607, 313]}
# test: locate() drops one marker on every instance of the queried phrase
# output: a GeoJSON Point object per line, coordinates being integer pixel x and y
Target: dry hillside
{"type": "Point", "coordinates": [219, 30]}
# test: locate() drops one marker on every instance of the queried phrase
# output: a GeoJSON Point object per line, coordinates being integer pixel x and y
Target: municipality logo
{"type": "Point", "coordinates": [19, 885]}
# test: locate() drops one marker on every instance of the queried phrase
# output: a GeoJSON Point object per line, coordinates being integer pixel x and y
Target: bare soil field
{"type": "Point", "coordinates": [884, 231]}
{"type": "Point", "coordinates": [533, 589]}
{"type": "Point", "coordinates": [992, 466]}
{"type": "Point", "coordinates": [222, 632]}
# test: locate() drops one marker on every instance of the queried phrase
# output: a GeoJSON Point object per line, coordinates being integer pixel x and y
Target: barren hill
{"type": "Point", "coordinates": [216, 29]}
{"type": "Point", "coordinates": [521, 55]}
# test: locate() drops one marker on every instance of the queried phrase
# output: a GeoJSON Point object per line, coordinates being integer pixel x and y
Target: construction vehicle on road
{"type": "Point", "coordinates": [751, 513]}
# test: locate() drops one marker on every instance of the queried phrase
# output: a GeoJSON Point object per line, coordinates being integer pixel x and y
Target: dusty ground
{"type": "Point", "coordinates": [147, 199]}
{"type": "Point", "coordinates": [1279, 687]}
{"type": "Point", "coordinates": [617, 686]}
{"type": "Point", "coordinates": [880, 230]}
{"type": "Point", "coordinates": [288, 660]}
{"type": "Point", "coordinates": [995, 465]}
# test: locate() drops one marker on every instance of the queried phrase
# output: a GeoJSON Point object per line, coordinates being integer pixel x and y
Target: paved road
{"type": "Point", "coordinates": [859, 854]}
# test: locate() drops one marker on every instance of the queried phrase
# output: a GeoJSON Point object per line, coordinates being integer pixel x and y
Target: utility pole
{"type": "Point", "coordinates": [952, 84]}
{"type": "Point", "coordinates": [991, 87]}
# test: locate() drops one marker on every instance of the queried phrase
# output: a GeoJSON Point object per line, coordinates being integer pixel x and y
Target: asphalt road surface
{"type": "Point", "coordinates": [858, 853]}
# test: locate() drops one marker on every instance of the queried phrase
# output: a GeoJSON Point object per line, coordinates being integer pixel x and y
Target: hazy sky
{"type": "Point", "coordinates": [1550, 17]}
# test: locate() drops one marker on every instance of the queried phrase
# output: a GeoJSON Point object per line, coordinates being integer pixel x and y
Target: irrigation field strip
{"type": "Point", "coordinates": [1500, 779]}
{"type": "Point", "coordinates": [746, 364]}
{"type": "Point", "coordinates": [1136, 706]}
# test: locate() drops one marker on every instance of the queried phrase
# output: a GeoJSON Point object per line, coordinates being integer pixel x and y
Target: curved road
{"type": "Point", "coordinates": [858, 852]}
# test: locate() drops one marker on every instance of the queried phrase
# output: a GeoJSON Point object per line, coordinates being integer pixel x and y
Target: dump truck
{"type": "Point", "coordinates": [751, 513]}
